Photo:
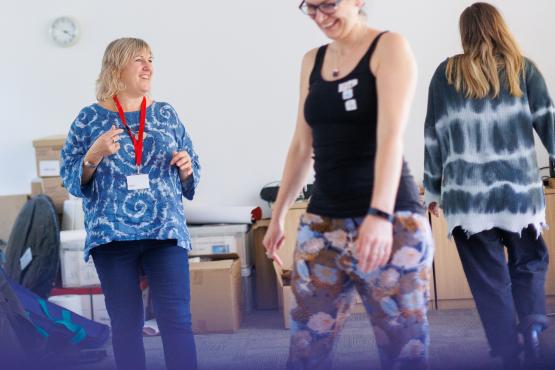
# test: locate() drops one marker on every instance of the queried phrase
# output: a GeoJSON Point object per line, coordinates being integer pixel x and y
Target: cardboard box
{"type": "Point", "coordinates": [75, 271]}
{"type": "Point", "coordinates": [73, 217]}
{"type": "Point", "coordinates": [53, 187]}
{"type": "Point", "coordinates": [215, 296]}
{"type": "Point", "coordinates": [10, 205]}
{"type": "Point", "coordinates": [224, 239]}
{"type": "Point", "coordinates": [266, 296]}
{"type": "Point", "coordinates": [247, 282]}
{"type": "Point", "coordinates": [99, 312]}
{"type": "Point", "coordinates": [47, 153]}
{"type": "Point", "coordinates": [286, 301]}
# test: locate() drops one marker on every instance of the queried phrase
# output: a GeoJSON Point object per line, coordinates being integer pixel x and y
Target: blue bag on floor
{"type": "Point", "coordinates": [61, 328]}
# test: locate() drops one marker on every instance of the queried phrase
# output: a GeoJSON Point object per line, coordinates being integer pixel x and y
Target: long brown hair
{"type": "Point", "coordinates": [489, 48]}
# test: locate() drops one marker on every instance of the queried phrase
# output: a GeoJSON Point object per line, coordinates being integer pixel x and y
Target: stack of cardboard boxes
{"type": "Point", "coordinates": [47, 152]}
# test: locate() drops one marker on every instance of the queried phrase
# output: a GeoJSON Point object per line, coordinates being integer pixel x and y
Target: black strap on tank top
{"type": "Point", "coordinates": [316, 70]}
{"type": "Point", "coordinates": [368, 56]}
{"type": "Point", "coordinates": [365, 61]}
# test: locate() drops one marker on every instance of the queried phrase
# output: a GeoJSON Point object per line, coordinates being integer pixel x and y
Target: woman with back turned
{"type": "Point", "coordinates": [481, 168]}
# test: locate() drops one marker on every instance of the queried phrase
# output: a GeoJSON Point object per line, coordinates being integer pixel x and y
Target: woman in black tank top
{"type": "Point", "coordinates": [364, 230]}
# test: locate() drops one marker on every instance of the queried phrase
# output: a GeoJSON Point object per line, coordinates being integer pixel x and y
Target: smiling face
{"type": "Point", "coordinates": [137, 74]}
{"type": "Point", "coordinates": [339, 22]}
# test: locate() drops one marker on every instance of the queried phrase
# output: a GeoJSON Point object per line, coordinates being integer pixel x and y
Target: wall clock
{"type": "Point", "coordinates": [64, 31]}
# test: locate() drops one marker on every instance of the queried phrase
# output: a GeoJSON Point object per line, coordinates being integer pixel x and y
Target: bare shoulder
{"type": "Point", "coordinates": [393, 43]}
{"type": "Point", "coordinates": [307, 64]}
{"type": "Point", "coordinates": [393, 50]}
{"type": "Point", "coordinates": [309, 58]}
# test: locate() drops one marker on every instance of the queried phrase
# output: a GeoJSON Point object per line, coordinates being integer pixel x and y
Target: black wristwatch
{"type": "Point", "coordinates": [379, 213]}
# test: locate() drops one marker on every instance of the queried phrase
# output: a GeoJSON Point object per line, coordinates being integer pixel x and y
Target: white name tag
{"type": "Point", "coordinates": [138, 182]}
{"type": "Point", "coordinates": [347, 94]}
{"type": "Point", "coordinates": [26, 259]}
{"type": "Point", "coordinates": [348, 85]}
{"type": "Point", "coordinates": [350, 105]}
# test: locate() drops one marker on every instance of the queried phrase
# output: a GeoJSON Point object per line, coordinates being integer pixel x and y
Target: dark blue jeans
{"type": "Point", "coordinates": [505, 290]}
{"type": "Point", "coordinates": [119, 265]}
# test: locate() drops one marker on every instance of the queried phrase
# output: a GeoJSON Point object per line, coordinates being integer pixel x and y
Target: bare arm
{"type": "Point", "coordinates": [106, 145]}
{"type": "Point", "coordinates": [395, 71]}
{"type": "Point", "coordinates": [88, 172]}
{"type": "Point", "coordinates": [297, 165]}
{"type": "Point", "coordinates": [396, 83]}
{"type": "Point", "coordinates": [299, 157]}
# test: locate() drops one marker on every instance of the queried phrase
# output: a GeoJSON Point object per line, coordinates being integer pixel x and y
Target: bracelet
{"type": "Point", "coordinates": [379, 213]}
{"type": "Point", "coordinates": [90, 165]}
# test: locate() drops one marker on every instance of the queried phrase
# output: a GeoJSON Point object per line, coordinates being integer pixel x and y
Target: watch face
{"type": "Point", "coordinates": [64, 31]}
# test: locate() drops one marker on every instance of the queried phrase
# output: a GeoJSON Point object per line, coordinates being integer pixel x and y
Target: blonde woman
{"type": "Point", "coordinates": [365, 230]}
{"type": "Point", "coordinates": [481, 168]}
{"type": "Point", "coordinates": [131, 160]}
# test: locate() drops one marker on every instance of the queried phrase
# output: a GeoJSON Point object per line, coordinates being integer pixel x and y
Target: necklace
{"type": "Point", "coordinates": [335, 71]}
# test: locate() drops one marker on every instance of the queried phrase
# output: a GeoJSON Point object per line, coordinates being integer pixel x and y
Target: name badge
{"type": "Point", "coordinates": [347, 85]}
{"type": "Point", "coordinates": [26, 259]}
{"type": "Point", "coordinates": [351, 105]}
{"type": "Point", "coordinates": [138, 182]}
{"type": "Point", "coordinates": [347, 94]}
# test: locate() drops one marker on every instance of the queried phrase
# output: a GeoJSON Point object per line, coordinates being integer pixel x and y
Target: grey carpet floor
{"type": "Point", "coordinates": [457, 342]}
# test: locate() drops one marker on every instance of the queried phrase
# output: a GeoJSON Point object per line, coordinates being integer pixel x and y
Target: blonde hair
{"type": "Point", "coordinates": [489, 48]}
{"type": "Point", "coordinates": [117, 55]}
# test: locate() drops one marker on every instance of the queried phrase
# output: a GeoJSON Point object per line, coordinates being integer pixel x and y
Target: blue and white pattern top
{"type": "Point", "coordinates": [111, 211]}
{"type": "Point", "coordinates": [480, 162]}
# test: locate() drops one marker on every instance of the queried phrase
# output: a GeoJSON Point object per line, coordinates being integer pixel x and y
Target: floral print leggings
{"type": "Point", "coordinates": [395, 296]}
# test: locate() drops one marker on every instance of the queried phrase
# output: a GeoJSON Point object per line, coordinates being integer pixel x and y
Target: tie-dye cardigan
{"type": "Point", "coordinates": [480, 160]}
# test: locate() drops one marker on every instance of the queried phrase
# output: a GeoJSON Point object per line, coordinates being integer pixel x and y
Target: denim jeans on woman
{"type": "Point", "coordinates": [119, 265]}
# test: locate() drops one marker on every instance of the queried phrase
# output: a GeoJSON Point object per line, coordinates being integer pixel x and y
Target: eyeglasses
{"type": "Point", "coordinates": [325, 7]}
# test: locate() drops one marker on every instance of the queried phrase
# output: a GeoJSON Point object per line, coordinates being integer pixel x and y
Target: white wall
{"type": "Point", "coordinates": [230, 68]}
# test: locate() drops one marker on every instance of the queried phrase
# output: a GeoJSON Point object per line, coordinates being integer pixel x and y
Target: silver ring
{"type": "Point", "coordinates": [114, 141]}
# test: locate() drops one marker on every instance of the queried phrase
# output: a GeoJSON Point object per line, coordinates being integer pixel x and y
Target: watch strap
{"type": "Point", "coordinates": [379, 213]}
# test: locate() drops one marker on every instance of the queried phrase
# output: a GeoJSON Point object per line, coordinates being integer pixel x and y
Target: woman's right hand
{"type": "Point", "coordinates": [434, 209]}
{"type": "Point", "coordinates": [105, 145]}
{"type": "Point", "coordinates": [274, 239]}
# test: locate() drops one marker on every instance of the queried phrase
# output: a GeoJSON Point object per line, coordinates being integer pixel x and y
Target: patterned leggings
{"type": "Point", "coordinates": [395, 296]}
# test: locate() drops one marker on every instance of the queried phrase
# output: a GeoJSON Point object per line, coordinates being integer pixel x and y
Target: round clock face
{"type": "Point", "coordinates": [64, 31]}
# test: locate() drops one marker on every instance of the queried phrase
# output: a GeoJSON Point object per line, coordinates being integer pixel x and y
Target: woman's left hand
{"type": "Point", "coordinates": [373, 244]}
{"type": "Point", "coordinates": [183, 161]}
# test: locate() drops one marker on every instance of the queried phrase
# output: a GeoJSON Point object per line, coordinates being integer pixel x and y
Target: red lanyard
{"type": "Point", "coordinates": [137, 142]}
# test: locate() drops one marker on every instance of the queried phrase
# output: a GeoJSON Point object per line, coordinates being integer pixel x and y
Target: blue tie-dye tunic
{"type": "Point", "coordinates": [480, 160]}
{"type": "Point", "coordinates": [111, 211]}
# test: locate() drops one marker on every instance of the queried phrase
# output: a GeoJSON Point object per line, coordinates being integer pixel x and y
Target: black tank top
{"type": "Point", "coordinates": [343, 118]}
